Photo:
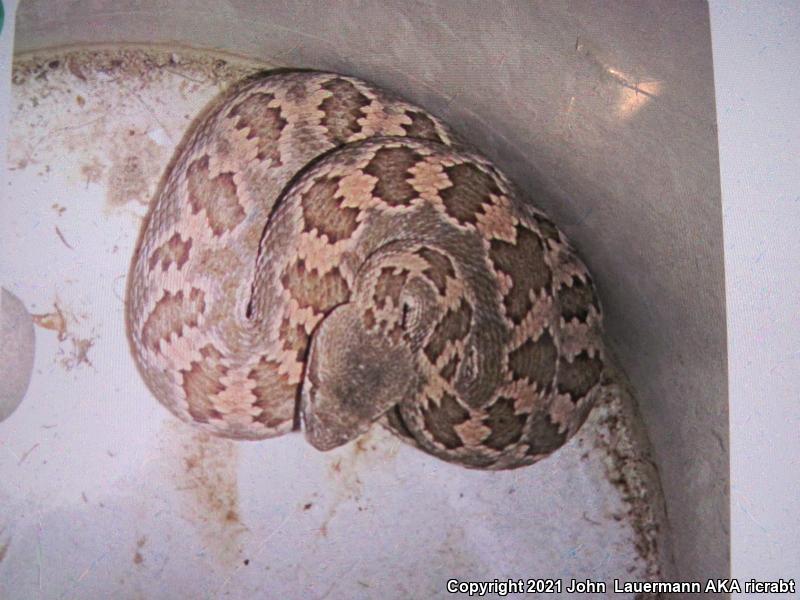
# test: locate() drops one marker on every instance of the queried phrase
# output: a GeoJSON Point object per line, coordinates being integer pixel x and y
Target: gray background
{"type": "Point", "coordinates": [544, 88]}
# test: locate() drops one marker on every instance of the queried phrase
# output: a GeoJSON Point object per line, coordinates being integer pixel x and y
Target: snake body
{"type": "Point", "coordinates": [322, 254]}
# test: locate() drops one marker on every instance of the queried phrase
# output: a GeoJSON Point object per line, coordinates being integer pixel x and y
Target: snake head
{"type": "Point", "coordinates": [353, 376]}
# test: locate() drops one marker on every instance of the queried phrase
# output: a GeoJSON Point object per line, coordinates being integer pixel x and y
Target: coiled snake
{"type": "Point", "coordinates": [322, 254]}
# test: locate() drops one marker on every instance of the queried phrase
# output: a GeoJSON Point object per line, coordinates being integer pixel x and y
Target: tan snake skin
{"type": "Point", "coordinates": [323, 254]}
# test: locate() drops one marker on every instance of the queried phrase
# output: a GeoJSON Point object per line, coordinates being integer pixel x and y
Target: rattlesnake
{"type": "Point", "coordinates": [322, 254]}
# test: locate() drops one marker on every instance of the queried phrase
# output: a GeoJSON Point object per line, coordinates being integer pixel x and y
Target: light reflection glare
{"type": "Point", "coordinates": [632, 94]}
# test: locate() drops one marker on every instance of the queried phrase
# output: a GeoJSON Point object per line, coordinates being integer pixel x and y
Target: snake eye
{"type": "Point", "coordinates": [404, 316]}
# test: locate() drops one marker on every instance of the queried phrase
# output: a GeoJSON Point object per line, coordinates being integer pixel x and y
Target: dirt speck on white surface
{"type": "Point", "coordinates": [54, 321]}
{"type": "Point", "coordinates": [138, 559]}
{"type": "Point", "coordinates": [377, 448]}
{"type": "Point", "coordinates": [136, 164]}
{"type": "Point", "coordinates": [146, 64]}
{"type": "Point", "coordinates": [73, 349]}
{"type": "Point", "coordinates": [93, 170]}
{"type": "Point", "coordinates": [203, 469]}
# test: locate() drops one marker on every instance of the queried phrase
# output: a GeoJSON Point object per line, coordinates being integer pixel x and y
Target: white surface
{"type": "Point", "coordinates": [757, 72]}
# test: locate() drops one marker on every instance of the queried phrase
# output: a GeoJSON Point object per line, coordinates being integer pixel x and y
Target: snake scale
{"type": "Point", "coordinates": [321, 254]}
